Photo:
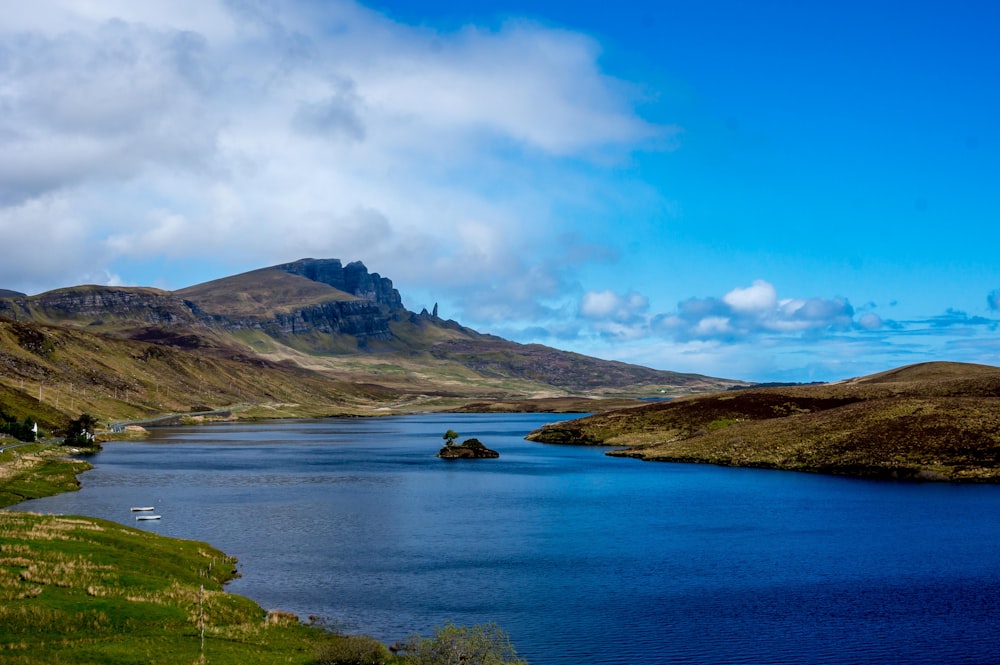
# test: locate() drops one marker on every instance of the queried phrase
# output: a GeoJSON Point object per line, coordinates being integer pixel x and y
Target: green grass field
{"type": "Point", "coordinates": [36, 470]}
{"type": "Point", "coordinates": [84, 590]}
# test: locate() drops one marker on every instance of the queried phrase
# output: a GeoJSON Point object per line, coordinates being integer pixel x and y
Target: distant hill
{"type": "Point", "coordinates": [933, 421]}
{"type": "Point", "coordinates": [334, 322]}
{"type": "Point", "coordinates": [53, 373]}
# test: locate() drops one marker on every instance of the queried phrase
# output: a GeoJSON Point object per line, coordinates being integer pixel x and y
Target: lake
{"type": "Point", "coordinates": [582, 558]}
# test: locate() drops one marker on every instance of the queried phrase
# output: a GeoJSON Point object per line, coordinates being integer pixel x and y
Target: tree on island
{"type": "Point", "coordinates": [449, 437]}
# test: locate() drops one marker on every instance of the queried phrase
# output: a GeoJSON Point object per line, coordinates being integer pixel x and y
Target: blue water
{"type": "Point", "coordinates": [582, 558]}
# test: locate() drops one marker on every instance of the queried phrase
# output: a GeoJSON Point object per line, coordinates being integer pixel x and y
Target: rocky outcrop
{"type": "Point", "coordinates": [362, 319]}
{"type": "Point", "coordinates": [94, 303]}
{"type": "Point", "coordinates": [468, 449]}
{"type": "Point", "coordinates": [354, 279]}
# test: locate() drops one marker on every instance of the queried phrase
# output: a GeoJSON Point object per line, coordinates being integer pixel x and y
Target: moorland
{"type": "Point", "coordinates": [929, 421]}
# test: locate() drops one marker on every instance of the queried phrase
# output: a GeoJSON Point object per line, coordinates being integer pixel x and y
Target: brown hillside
{"type": "Point", "coordinates": [935, 421]}
{"type": "Point", "coordinates": [74, 371]}
{"type": "Point", "coordinates": [930, 372]}
{"type": "Point", "coordinates": [260, 294]}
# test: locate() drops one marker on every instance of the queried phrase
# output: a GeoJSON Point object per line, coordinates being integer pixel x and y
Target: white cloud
{"type": "Point", "coordinates": [870, 321]}
{"type": "Point", "coordinates": [713, 326]}
{"type": "Point", "coordinates": [610, 305]}
{"type": "Point", "coordinates": [258, 133]}
{"type": "Point", "coordinates": [759, 297]}
{"type": "Point", "coordinates": [746, 312]}
{"type": "Point", "coordinates": [743, 313]}
{"type": "Point", "coordinates": [614, 315]}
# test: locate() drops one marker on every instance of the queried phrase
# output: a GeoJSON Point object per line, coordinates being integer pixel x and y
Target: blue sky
{"type": "Point", "coordinates": [768, 191]}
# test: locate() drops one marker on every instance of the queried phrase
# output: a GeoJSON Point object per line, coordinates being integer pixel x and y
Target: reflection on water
{"type": "Point", "coordinates": [581, 557]}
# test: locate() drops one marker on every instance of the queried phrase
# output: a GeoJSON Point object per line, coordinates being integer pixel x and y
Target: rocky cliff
{"type": "Point", "coordinates": [358, 318]}
{"type": "Point", "coordinates": [358, 304]}
{"type": "Point", "coordinates": [94, 304]}
{"type": "Point", "coordinates": [354, 279]}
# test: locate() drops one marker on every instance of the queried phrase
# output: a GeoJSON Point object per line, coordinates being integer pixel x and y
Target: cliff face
{"type": "Point", "coordinates": [354, 279]}
{"type": "Point", "coordinates": [95, 303]}
{"type": "Point", "coordinates": [366, 319]}
{"type": "Point", "coordinates": [361, 319]}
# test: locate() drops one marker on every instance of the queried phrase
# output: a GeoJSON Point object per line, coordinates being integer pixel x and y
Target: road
{"type": "Point", "coordinates": [4, 449]}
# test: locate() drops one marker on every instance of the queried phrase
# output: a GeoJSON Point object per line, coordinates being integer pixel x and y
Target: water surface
{"type": "Point", "coordinates": [582, 558]}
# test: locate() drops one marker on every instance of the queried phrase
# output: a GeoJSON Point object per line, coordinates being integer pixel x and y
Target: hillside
{"type": "Point", "coordinates": [934, 421]}
{"type": "Point", "coordinates": [53, 373]}
{"type": "Point", "coordinates": [343, 322]}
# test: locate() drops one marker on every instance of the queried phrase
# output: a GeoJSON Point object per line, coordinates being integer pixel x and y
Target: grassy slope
{"type": "Point", "coordinates": [261, 294]}
{"type": "Point", "coordinates": [36, 470]}
{"type": "Point", "coordinates": [932, 421]}
{"type": "Point", "coordinates": [115, 379]}
{"type": "Point", "coordinates": [84, 590]}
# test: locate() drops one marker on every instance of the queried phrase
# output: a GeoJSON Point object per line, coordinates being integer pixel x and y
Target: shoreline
{"type": "Point", "coordinates": [40, 590]}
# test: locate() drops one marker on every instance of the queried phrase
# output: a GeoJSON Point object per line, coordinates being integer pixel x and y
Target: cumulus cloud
{"type": "Point", "coordinates": [759, 297]}
{"type": "Point", "coordinates": [746, 312]}
{"type": "Point", "coordinates": [870, 321]}
{"type": "Point", "coordinates": [610, 305]}
{"type": "Point", "coordinates": [259, 132]}
{"type": "Point", "coordinates": [615, 315]}
{"type": "Point", "coordinates": [741, 314]}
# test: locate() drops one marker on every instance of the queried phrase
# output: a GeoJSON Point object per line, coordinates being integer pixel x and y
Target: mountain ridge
{"type": "Point", "coordinates": [336, 322]}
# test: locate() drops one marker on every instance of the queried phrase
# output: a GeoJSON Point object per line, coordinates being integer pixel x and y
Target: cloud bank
{"type": "Point", "coordinates": [753, 332]}
{"type": "Point", "coordinates": [742, 313]}
{"type": "Point", "coordinates": [252, 133]}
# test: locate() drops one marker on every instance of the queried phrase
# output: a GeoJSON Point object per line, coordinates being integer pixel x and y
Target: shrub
{"type": "Point", "coordinates": [483, 644]}
{"type": "Point", "coordinates": [353, 650]}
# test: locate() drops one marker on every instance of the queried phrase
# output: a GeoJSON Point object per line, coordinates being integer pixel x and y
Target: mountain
{"type": "Point", "coordinates": [932, 421]}
{"type": "Point", "coordinates": [314, 318]}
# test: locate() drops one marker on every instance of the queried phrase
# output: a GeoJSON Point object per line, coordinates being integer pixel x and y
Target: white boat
{"type": "Point", "coordinates": [146, 517]}
{"type": "Point", "coordinates": [142, 509]}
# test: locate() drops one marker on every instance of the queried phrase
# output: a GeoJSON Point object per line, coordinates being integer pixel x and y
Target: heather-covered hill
{"type": "Point", "coordinates": [936, 421]}
{"type": "Point", "coordinates": [327, 317]}
{"type": "Point", "coordinates": [52, 374]}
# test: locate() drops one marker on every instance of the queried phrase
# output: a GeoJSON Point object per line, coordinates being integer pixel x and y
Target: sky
{"type": "Point", "coordinates": [774, 190]}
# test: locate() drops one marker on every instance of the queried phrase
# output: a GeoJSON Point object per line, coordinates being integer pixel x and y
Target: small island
{"type": "Point", "coordinates": [468, 449]}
